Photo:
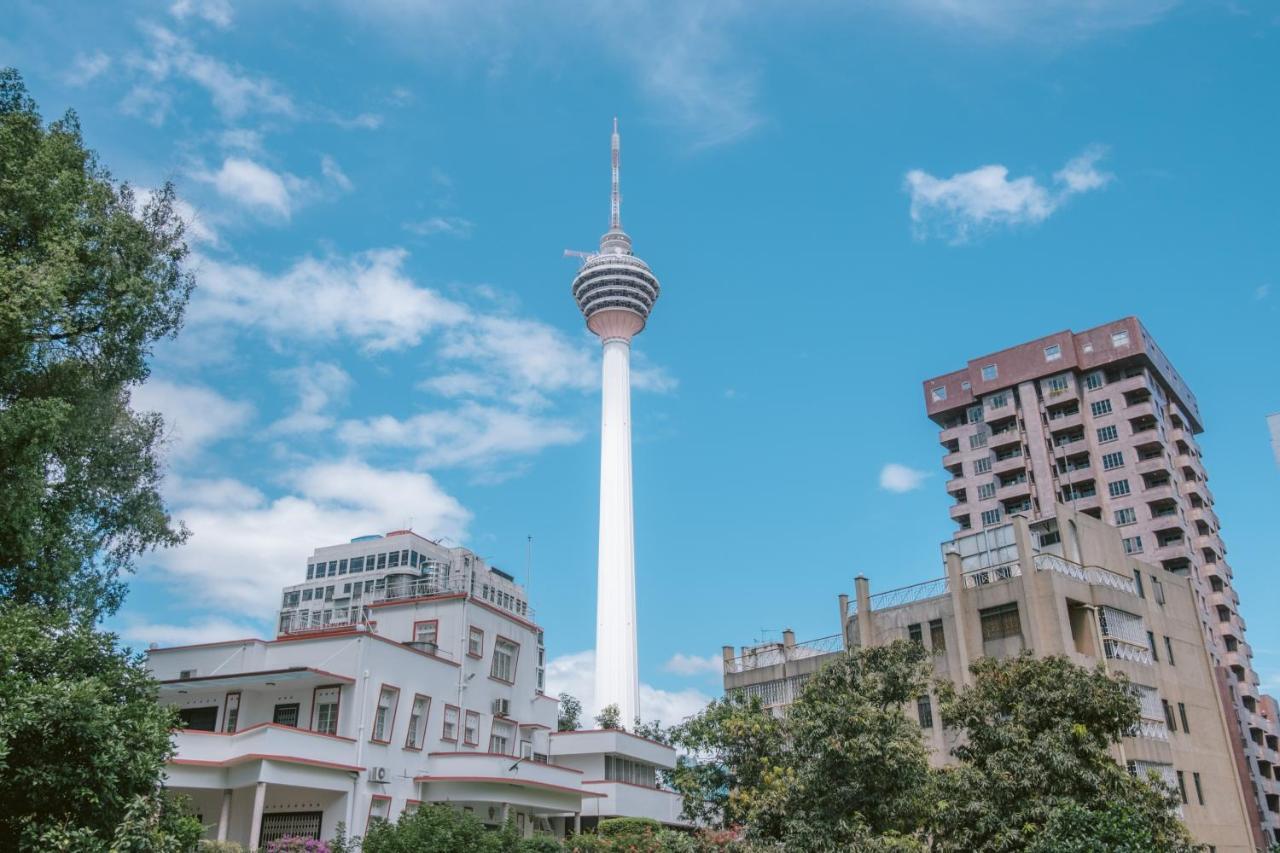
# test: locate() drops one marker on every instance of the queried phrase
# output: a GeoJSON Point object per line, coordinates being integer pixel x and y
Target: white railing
{"type": "Point", "coordinates": [909, 594]}
{"type": "Point", "coordinates": [1087, 574]}
{"type": "Point", "coordinates": [1121, 650]}
{"type": "Point", "coordinates": [992, 574]}
{"type": "Point", "coordinates": [1152, 730]}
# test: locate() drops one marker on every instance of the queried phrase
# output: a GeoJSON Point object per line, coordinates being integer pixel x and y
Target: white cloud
{"type": "Point", "coordinates": [1262, 292]}
{"type": "Point", "coordinates": [682, 664]}
{"type": "Point", "coordinates": [471, 434]}
{"type": "Point", "coordinates": [448, 226]}
{"type": "Point", "coordinates": [86, 68]}
{"type": "Point", "coordinates": [216, 12]}
{"type": "Point", "coordinates": [195, 416]}
{"type": "Point", "coordinates": [253, 185]}
{"type": "Point", "coordinates": [330, 169]}
{"type": "Point", "coordinates": [1054, 20]}
{"type": "Point", "coordinates": [575, 674]}
{"type": "Point", "coordinates": [245, 547]}
{"type": "Point", "coordinates": [208, 630]}
{"type": "Point", "coordinates": [900, 478]}
{"type": "Point", "coordinates": [966, 202]}
{"type": "Point", "coordinates": [234, 92]}
{"type": "Point", "coordinates": [321, 387]}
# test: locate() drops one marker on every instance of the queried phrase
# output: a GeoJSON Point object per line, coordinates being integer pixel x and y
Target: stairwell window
{"type": "Point", "coordinates": [1127, 515]}
{"type": "Point", "coordinates": [1195, 777]}
{"type": "Point", "coordinates": [1100, 407]}
{"type": "Point", "coordinates": [991, 516]}
{"type": "Point", "coordinates": [1186, 727]}
{"type": "Point", "coordinates": [384, 717]}
{"type": "Point", "coordinates": [1000, 622]}
{"type": "Point", "coordinates": [450, 729]}
{"type": "Point", "coordinates": [1095, 380]}
{"type": "Point", "coordinates": [1108, 434]}
{"type": "Point", "coordinates": [471, 728]}
{"type": "Point", "coordinates": [937, 637]}
{"type": "Point", "coordinates": [418, 714]}
{"type": "Point", "coordinates": [326, 700]}
{"type": "Point", "coordinates": [475, 642]}
{"type": "Point", "coordinates": [1118, 488]}
{"type": "Point", "coordinates": [1168, 651]}
{"type": "Point", "coordinates": [505, 654]}
{"type": "Point", "coordinates": [1111, 461]}
{"type": "Point", "coordinates": [1133, 545]}
{"type": "Point", "coordinates": [501, 738]}
{"type": "Point", "coordinates": [924, 710]}
{"type": "Point", "coordinates": [982, 466]}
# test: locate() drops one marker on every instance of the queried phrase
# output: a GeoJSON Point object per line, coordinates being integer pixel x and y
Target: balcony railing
{"type": "Point", "coordinates": [992, 574]}
{"type": "Point", "coordinates": [1088, 574]}
{"type": "Point", "coordinates": [776, 653]}
{"type": "Point", "coordinates": [909, 594]}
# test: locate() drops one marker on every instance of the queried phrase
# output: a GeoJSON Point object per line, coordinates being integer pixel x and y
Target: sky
{"type": "Point", "coordinates": [840, 200]}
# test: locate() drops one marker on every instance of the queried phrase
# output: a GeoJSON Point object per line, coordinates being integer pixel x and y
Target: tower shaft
{"type": "Point", "coordinates": [617, 670]}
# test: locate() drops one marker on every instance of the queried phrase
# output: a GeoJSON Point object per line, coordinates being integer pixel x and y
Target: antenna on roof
{"type": "Point", "coordinates": [528, 566]}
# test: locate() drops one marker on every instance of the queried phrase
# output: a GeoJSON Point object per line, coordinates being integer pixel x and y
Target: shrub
{"type": "Point", "coordinates": [219, 847]}
{"type": "Point", "coordinates": [628, 826]}
{"type": "Point", "coordinates": [297, 844]}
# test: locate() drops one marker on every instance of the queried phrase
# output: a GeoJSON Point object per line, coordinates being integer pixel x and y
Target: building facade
{"type": "Point", "coordinates": [1100, 420]}
{"type": "Point", "coordinates": [1062, 585]}
{"type": "Point", "coordinates": [426, 685]}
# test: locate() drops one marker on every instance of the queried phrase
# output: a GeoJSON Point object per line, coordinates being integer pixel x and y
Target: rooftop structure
{"type": "Point", "coordinates": [1102, 421]}
{"type": "Point", "coordinates": [425, 687]}
{"type": "Point", "coordinates": [615, 291]}
{"type": "Point", "coordinates": [1062, 585]}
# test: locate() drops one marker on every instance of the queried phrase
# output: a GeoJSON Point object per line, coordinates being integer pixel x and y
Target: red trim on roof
{"type": "Point", "coordinates": [499, 755]}
{"type": "Point", "coordinates": [534, 726]}
{"type": "Point", "coordinates": [257, 726]}
{"type": "Point", "coordinates": [259, 756]}
{"type": "Point", "coordinates": [631, 784]}
{"type": "Point", "coordinates": [207, 645]}
{"type": "Point", "coordinates": [614, 731]}
{"type": "Point", "coordinates": [501, 780]}
{"type": "Point", "coordinates": [286, 671]}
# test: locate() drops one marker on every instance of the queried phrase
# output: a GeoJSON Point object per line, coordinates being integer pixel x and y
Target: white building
{"type": "Point", "coordinates": [403, 672]}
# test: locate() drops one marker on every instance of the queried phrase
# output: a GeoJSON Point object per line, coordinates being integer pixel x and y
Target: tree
{"type": "Point", "coordinates": [1035, 769]}
{"type": "Point", "coordinates": [88, 283]}
{"type": "Point", "coordinates": [570, 716]}
{"type": "Point", "coordinates": [609, 717]}
{"type": "Point", "coordinates": [858, 768]}
{"type": "Point", "coordinates": [729, 752]}
{"type": "Point", "coordinates": [82, 737]}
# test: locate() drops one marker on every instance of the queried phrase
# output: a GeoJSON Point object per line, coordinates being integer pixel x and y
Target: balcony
{"type": "Point", "coordinates": [1063, 422]}
{"type": "Point", "coordinates": [1130, 383]}
{"type": "Point", "coordinates": [954, 458]}
{"type": "Point", "coordinates": [621, 798]}
{"type": "Point", "coordinates": [1013, 491]}
{"type": "Point", "coordinates": [1013, 463]}
{"type": "Point", "coordinates": [1144, 409]}
{"type": "Point", "coordinates": [959, 511]}
{"type": "Point", "coordinates": [1095, 575]}
{"type": "Point", "coordinates": [1153, 465]}
{"type": "Point", "coordinates": [265, 739]}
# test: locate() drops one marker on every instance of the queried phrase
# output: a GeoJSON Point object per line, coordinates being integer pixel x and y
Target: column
{"type": "Point", "coordinates": [224, 817]}
{"type": "Point", "coordinates": [255, 826]}
{"type": "Point", "coordinates": [862, 594]}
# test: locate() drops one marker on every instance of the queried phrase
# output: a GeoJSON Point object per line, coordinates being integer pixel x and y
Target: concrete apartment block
{"type": "Point", "coordinates": [1062, 585]}
{"type": "Point", "coordinates": [1101, 421]}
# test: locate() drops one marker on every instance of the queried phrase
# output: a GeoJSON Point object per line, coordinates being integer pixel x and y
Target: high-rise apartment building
{"type": "Point", "coordinates": [1062, 585]}
{"type": "Point", "coordinates": [1101, 421]}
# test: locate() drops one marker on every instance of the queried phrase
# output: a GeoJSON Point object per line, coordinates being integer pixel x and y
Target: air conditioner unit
{"type": "Point", "coordinates": [502, 707]}
{"type": "Point", "coordinates": [378, 774]}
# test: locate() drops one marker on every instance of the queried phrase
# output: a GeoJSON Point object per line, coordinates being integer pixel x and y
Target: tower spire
{"type": "Point", "coordinates": [615, 240]}
{"type": "Point", "coordinates": [615, 197]}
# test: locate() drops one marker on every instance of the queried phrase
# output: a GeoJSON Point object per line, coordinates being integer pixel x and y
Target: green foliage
{"type": "Point", "coordinates": [222, 847]}
{"type": "Point", "coordinates": [152, 823]}
{"type": "Point", "coordinates": [647, 840]}
{"type": "Point", "coordinates": [88, 284]}
{"type": "Point", "coordinates": [1035, 762]}
{"type": "Point", "coordinates": [443, 829]}
{"type": "Point", "coordinates": [652, 730]}
{"type": "Point", "coordinates": [615, 826]}
{"type": "Point", "coordinates": [570, 715]}
{"type": "Point", "coordinates": [730, 750]}
{"type": "Point", "coordinates": [609, 717]}
{"type": "Point", "coordinates": [81, 733]}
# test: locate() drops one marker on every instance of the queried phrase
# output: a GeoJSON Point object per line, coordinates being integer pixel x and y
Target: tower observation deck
{"type": "Point", "coordinates": [615, 291]}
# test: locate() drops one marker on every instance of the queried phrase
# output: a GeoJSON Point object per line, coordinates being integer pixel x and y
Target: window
{"type": "Point", "coordinates": [1111, 461]}
{"type": "Point", "coordinates": [501, 737]}
{"type": "Point", "coordinates": [1118, 488]}
{"type": "Point", "coordinates": [342, 567]}
{"type": "Point", "coordinates": [1195, 777]}
{"type": "Point", "coordinates": [285, 714]}
{"type": "Point", "coordinates": [986, 490]}
{"type": "Point", "coordinates": [357, 564]}
{"type": "Point", "coordinates": [619, 769]}
{"type": "Point", "coordinates": [1125, 516]}
{"type": "Point", "coordinates": [1132, 545]}
{"type": "Point", "coordinates": [1182, 780]}
{"type": "Point", "coordinates": [1137, 580]}
{"type": "Point", "coordinates": [379, 808]}
{"type": "Point", "coordinates": [1100, 407]}
{"type": "Point", "coordinates": [450, 728]}
{"type": "Point", "coordinates": [937, 637]}
{"type": "Point", "coordinates": [991, 516]}
{"type": "Point", "coordinates": [471, 728]}
{"type": "Point", "coordinates": [915, 634]}
{"type": "Point", "coordinates": [394, 560]}
{"type": "Point", "coordinates": [1168, 650]}
{"type": "Point", "coordinates": [974, 414]}
{"type": "Point", "coordinates": [924, 709]}
{"type": "Point", "coordinates": [1057, 384]}
{"type": "Point", "coordinates": [1151, 644]}
{"type": "Point", "coordinates": [978, 439]}
{"type": "Point", "coordinates": [965, 385]}
{"type": "Point", "coordinates": [277, 825]}
{"type": "Point", "coordinates": [1186, 727]}
{"type": "Point", "coordinates": [382, 561]}
{"type": "Point", "coordinates": [505, 654]}
{"type": "Point", "coordinates": [232, 714]}
{"type": "Point", "coordinates": [989, 373]}
{"type": "Point", "coordinates": [418, 715]}
{"type": "Point", "coordinates": [982, 466]}
{"type": "Point", "coordinates": [324, 713]}
{"type": "Point", "coordinates": [1157, 589]}
{"type": "Point", "coordinates": [333, 568]}
{"type": "Point", "coordinates": [426, 632]}
{"type": "Point", "coordinates": [475, 642]}
{"type": "Point", "coordinates": [999, 400]}
{"type": "Point", "coordinates": [1095, 380]}
{"type": "Point", "coordinates": [384, 718]}
{"type": "Point", "coordinates": [1053, 352]}
{"type": "Point", "coordinates": [311, 570]}
{"type": "Point", "coordinates": [1000, 622]}
{"type": "Point", "coordinates": [1168, 718]}
{"type": "Point", "coordinates": [306, 595]}
{"type": "Point", "coordinates": [939, 393]}
{"type": "Point", "coordinates": [1107, 434]}
{"type": "Point", "coordinates": [1121, 339]}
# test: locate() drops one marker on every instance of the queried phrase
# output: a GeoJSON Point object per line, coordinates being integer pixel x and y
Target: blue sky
{"type": "Point", "coordinates": [839, 204]}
